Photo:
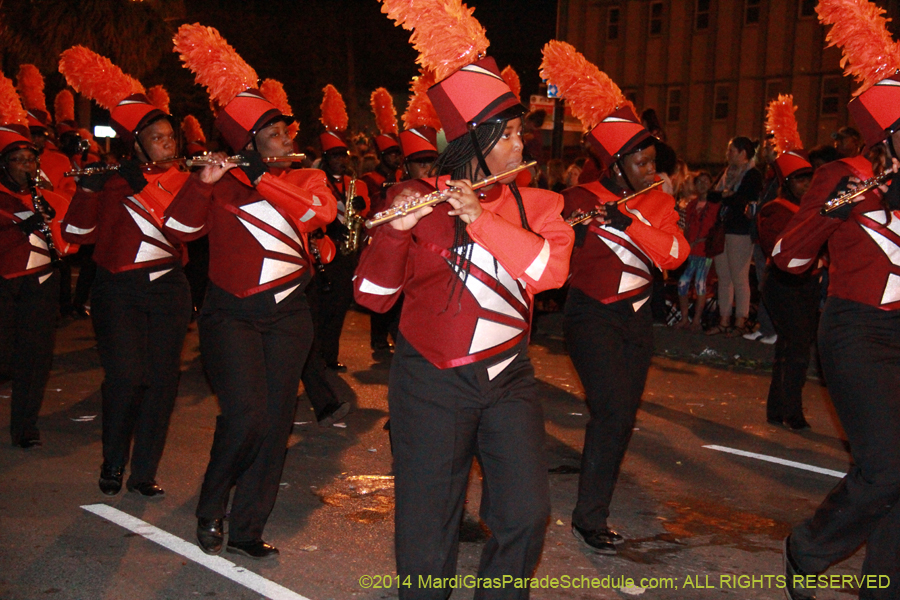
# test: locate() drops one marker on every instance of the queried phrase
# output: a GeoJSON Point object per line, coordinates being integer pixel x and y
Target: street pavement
{"type": "Point", "coordinates": [700, 523]}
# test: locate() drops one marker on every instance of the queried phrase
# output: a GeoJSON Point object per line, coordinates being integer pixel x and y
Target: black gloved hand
{"type": "Point", "coordinates": [581, 231]}
{"type": "Point", "coordinates": [359, 204]}
{"type": "Point", "coordinates": [844, 211]}
{"type": "Point", "coordinates": [31, 224]}
{"type": "Point", "coordinates": [255, 167]}
{"type": "Point", "coordinates": [95, 182]}
{"type": "Point", "coordinates": [616, 218]}
{"type": "Point", "coordinates": [892, 197]}
{"type": "Point", "coordinates": [131, 172]}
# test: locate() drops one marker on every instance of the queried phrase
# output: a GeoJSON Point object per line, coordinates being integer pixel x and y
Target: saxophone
{"type": "Point", "coordinates": [352, 220]}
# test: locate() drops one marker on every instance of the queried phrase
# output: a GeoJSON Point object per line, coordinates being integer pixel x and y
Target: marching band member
{"type": "Point", "coordinates": [29, 285]}
{"type": "Point", "coordinates": [255, 327]}
{"type": "Point", "coordinates": [608, 323]}
{"type": "Point", "coordinates": [461, 384]}
{"type": "Point", "coordinates": [792, 300]}
{"type": "Point", "coordinates": [140, 298]}
{"type": "Point", "coordinates": [330, 305]}
{"type": "Point", "coordinates": [859, 330]}
{"type": "Point", "coordinates": [418, 140]}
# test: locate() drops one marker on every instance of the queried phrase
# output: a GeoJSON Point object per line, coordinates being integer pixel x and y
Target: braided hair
{"type": "Point", "coordinates": [456, 160]}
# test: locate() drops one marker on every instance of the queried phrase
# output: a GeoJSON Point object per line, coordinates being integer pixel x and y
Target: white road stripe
{"type": "Point", "coordinates": [779, 461]}
{"type": "Point", "coordinates": [223, 567]}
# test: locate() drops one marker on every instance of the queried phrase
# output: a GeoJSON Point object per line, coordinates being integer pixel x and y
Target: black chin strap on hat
{"type": "Point", "coordinates": [482, 163]}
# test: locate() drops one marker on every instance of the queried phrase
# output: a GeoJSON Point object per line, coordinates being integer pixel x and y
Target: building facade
{"type": "Point", "coordinates": [709, 67]}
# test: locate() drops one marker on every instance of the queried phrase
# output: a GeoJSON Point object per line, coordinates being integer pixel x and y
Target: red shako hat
{"type": "Point", "coordinates": [230, 81]}
{"type": "Point", "coordinates": [334, 118]}
{"type": "Point", "coordinates": [103, 82]}
{"type": "Point", "coordinates": [385, 119]}
{"type": "Point", "coordinates": [421, 122]}
{"type": "Point", "coordinates": [872, 57]}
{"type": "Point", "coordinates": [14, 134]}
{"type": "Point", "coordinates": [782, 124]}
{"type": "Point", "coordinates": [613, 128]}
{"type": "Point", "coordinates": [452, 43]}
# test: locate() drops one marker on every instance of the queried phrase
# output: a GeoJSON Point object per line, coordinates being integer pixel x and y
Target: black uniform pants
{"type": "Point", "coordinates": [793, 305]}
{"type": "Point", "coordinates": [253, 350]}
{"type": "Point", "coordinates": [28, 313]}
{"type": "Point", "coordinates": [330, 308]}
{"type": "Point", "coordinates": [860, 350]}
{"type": "Point", "coordinates": [611, 346]}
{"type": "Point", "coordinates": [440, 420]}
{"type": "Point", "coordinates": [140, 326]}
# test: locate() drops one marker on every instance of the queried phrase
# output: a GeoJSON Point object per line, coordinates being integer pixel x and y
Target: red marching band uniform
{"type": "Point", "coordinates": [859, 330]}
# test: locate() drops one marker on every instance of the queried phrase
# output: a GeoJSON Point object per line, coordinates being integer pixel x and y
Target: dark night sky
{"type": "Point", "coordinates": [306, 43]}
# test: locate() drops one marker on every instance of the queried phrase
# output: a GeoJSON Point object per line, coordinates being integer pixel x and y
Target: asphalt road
{"type": "Point", "coordinates": [700, 523]}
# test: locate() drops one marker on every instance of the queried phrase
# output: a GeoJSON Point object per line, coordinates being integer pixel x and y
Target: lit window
{"type": "Point", "coordinates": [751, 12]}
{"type": "Point", "coordinates": [701, 15]}
{"type": "Point", "coordinates": [656, 18]}
{"type": "Point", "coordinates": [722, 99]}
{"type": "Point", "coordinates": [673, 106]}
{"type": "Point", "coordinates": [612, 23]}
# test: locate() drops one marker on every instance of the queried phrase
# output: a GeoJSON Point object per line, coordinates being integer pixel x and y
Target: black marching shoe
{"type": "Point", "coordinates": [337, 367]}
{"type": "Point", "coordinates": [210, 535]}
{"type": "Point", "coordinates": [333, 413]}
{"type": "Point", "coordinates": [602, 540]}
{"type": "Point", "coordinates": [797, 424]}
{"type": "Point", "coordinates": [795, 589]}
{"type": "Point", "coordinates": [110, 479]}
{"type": "Point", "coordinates": [150, 489]}
{"type": "Point", "coordinates": [28, 443]}
{"type": "Point", "coordinates": [258, 549]}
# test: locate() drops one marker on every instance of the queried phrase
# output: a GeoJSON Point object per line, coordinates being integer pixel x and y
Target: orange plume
{"type": "Point", "coordinates": [215, 64]}
{"type": "Point", "coordinates": [419, 111]}
{"type": "Point", "coordinates": [781, 122]}
{"type": "Point", "coordinates": [334, 111]}
{"type": "Point", "coordinates": [385, 113]}
{"type": "Point", "coordinates": [159, 98]}
{"type": "Point", "coordinates": [512, 80]}
{"type": "Point", "coordinates": [273, 91]}
{"type": "Point", "coordinates": [588, 90]}
{"type": "Point", "coordinates": [11, 110]}
{"type": "Point", "coordinates": [444, 32]}
{"type": "Point", "coordinates": [859, 29]}
{"type": "Point", "coordinates": [30, 83]}
{"type": "Point", "coordinates": [97, 77]}
{"type": "Point", "coordinates": [190, 126]}
{"type": "Point", "coordinates": [64, 106]}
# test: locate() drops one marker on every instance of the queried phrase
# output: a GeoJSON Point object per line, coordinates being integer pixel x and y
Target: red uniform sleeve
{"type": "Point", "coordinates": [773, 218]}
{"type": "Point", "coordinates": [187, 216]}
{"type": "Point", "coordinates": [10, 234]}
{"type": "Point", "coordinates": [82, 218]}
{"type": "Point", "coordinates": [654, 228]}
{"type": "Point", "coordinates": [538, 258]}
{"type": "Point", "coordinates": [382, 269]}
{"type": "Point", "coordinates": [808, 230]}
{"type": "Point", "coordinates": [303, 192]}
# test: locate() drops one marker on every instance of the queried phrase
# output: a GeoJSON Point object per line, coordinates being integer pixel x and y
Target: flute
{"type": "Point", "coordinates": [850, 195]}
{"type": "Point", "coordinates": [578, 218]}
{"type": "Point", "coordinates": [200, 161]}
{"type": "Point", "coordinates": [438, 196]}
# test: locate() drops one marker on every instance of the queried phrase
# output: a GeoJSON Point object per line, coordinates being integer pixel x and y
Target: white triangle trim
{"type": "Point", "coordinates": [267, 213]}
{"type": "Point", "coordinates": [44, 278]}
{"type": "Point", "coordinates": [625, 255]}
{"type": "Point", "coordinates": [268, 241]}
{"type": "Point", "coordinates": [487, 298]}
{"type": "Point", "coordinates": [147, 228]}
{"type": "Point", "coordinates": [285, 293]}
{"type": "Point", "coordinates": [489, 334]}
{"type": "Point", "coordinates": [495, 370]}
{"type": "Point", "coordinates": [890, 249]}
{"type": "Point", "coordinates": [273, 269]}
{"type": "Point", "coordinates": [480, 70]}
{"type": "Point", "coordinates": [630, 281]}
{"type": "Point", "coordinates": [157, 274]}
{"type": "Point", "coordinates": [637, 305]}
{"type": "Point", "coordinates": [148, 252]}
{"type": "Point", "coordinates": [36, 259]}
